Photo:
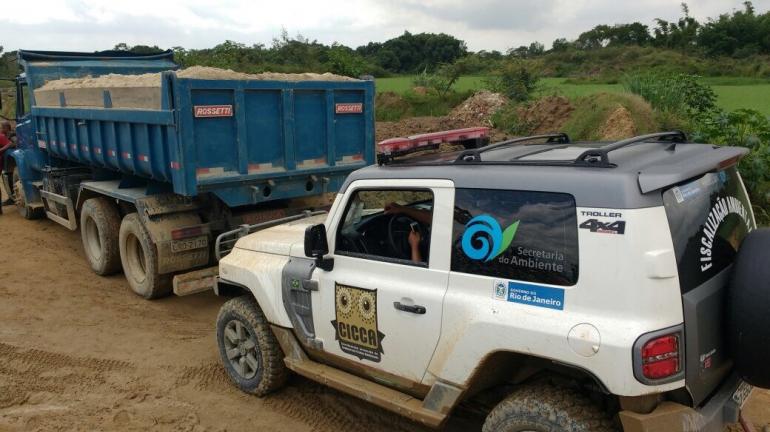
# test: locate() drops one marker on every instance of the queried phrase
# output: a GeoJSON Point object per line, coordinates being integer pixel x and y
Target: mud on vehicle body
{"type": "Point", "coordinates": [565, 286]}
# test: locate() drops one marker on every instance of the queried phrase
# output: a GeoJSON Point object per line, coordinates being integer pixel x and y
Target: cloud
{"type": "Point", "coordinates": [484, 14]}
{"type": "Point", "coordinates": [86, 25]}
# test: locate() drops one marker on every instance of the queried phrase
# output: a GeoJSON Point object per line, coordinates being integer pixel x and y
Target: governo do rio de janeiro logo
{"type": "Point", "coordinates": [484, 239]}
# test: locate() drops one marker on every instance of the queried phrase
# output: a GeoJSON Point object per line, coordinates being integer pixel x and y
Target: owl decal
{"type": "Point", "coordinates": [356, 324]}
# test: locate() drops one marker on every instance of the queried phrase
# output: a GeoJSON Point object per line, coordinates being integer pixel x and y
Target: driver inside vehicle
{"type": "Point", "coordinates": [420, 215]}
{"type": "Point", "coordinates": [388, 224]}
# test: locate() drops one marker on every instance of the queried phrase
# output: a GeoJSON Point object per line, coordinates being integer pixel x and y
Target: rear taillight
{"type": "Point", "coordinates": [183, 233]}
{"type": "Point", "coordinates": [660, 357]}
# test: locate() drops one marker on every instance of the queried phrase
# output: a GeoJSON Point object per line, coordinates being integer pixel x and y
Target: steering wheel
{"type": "Point", "coordinates": [399, 227]}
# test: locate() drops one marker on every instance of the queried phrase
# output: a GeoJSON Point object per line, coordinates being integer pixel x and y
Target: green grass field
{"type": "Point", "coordinates": [732, 92]}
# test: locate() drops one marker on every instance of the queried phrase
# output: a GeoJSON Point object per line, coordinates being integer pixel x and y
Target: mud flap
{"type": "Point", "coordinates": [296, 290]}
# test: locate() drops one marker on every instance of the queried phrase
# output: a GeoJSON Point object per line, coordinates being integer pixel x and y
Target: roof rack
{"type": "Point", "coordinates": [474, 155]}
{"type": "Point", "coordinates": [600, 156]}
{"type": "Point", "coordinates": [593, 157]}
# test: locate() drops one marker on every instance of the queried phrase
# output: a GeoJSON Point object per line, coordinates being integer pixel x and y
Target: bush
{"type": "Point", "coordinates": [390, 106]}
{"type": "Point", "coordinates": [750, 129]}
{"type": "Point", "coordinates": [442, 81]}
{"type": "Point", "coordinates": [344, 61]}
{"type": "Point", "coordinates": [679, 94]}
{"type": "Point", "coordinates": [516, 80]}
{"type": "Point", "coordinates": [507, 119]}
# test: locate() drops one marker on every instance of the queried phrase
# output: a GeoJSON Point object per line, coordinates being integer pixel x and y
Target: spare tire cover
{"type": "Point", "coordinates": [748, 309]}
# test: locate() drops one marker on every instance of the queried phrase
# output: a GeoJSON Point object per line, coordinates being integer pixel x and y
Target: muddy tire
{"type": "Point", "coordinates": [99, 229]}
{"type": "Point", "coordinates": [20, 199]}
{"type": "Point", "coordinates": [547, 408]}
{"type": "Point", "coordinates": [139, 258]}
{"type": "Point", "coordinates": [748, 303]}
{"type": "Point", "coordinates": [248, 348]}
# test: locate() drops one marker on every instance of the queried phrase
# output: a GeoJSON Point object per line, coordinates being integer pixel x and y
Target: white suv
{"type": "Point", "coordinates": [580, 286]}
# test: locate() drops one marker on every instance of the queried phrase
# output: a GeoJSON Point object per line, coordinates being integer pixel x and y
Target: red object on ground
{"type": "Point", "coordinates": [746, 425]}
{"type": "Point", "coordinates": [5, 144]}
{"type": "Point", "coordinates": [420, 142]}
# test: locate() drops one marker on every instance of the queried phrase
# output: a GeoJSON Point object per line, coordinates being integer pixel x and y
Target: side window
{"type": "Point", "coordinates": [23, 100]}
{"type": "Point", "coordinates": [389, 225]}
{"type": "Point", "coordinates": [521, 235]}
{"type": "Point", "coordinates": [709, 218]}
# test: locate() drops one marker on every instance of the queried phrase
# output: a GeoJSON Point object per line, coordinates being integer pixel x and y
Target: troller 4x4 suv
{"type": "Point", "coordinates": [577, 286]}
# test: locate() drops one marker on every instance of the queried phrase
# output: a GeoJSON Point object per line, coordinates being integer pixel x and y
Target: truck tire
{"type": "Point", "coordinates": [139, 258]}
{"type": "Point", "coordinates": [20, 199]}
{"type": "Point", "coordinates": [248, 348]}
{"type": "Point", "coordinates": [547, 408]}
{"type": "Point", "coordinates": [748, 309]}
{"type": "Point", "coordinates": [99, 228]}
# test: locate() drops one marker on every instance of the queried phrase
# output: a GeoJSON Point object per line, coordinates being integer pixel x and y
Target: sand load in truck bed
{"type": "Point", "coordinates": [143, 91]}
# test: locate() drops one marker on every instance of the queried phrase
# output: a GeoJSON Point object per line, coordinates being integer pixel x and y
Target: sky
{"type": "Point", "coordinates": [88, 25]}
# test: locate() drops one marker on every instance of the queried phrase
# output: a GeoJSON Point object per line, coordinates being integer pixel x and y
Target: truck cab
{"type": "Point", "coordinates": [24, 139]}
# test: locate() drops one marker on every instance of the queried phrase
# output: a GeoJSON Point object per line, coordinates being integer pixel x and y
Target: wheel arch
{"type": "Point", "coordinates": [226, 288]}
{"type": "Point", "coordinates": [505, 368]}
{"type": "Point", "coordinates": [27, 175]}
{"type": "Point", "coordinates": [260, 275]}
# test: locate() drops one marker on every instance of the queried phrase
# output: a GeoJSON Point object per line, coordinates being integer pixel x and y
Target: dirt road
{"type": "Point", "coordinates": [81, 352]}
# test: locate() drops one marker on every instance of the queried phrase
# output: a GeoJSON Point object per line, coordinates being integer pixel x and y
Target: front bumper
{"type": "Point", "coordinates": [719, 411]}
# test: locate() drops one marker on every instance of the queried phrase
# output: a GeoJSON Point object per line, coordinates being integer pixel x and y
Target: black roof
{"type": "Point", "coordinates": [31, 55]}
{"type": "Point", "coordinates": [623, 174]}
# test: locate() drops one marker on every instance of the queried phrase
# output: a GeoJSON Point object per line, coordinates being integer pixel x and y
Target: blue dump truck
{"type": "Point", "coordinates": [153, 174]}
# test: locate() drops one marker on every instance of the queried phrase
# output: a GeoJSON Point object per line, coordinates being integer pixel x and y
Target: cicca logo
{"type": "Point", "coordinates": [484, 239]}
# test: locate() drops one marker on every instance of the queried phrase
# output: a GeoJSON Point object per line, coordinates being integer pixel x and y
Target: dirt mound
{"type": "Point", "coordinates": [197, 72]}
{"type": "Point", "coordinates": [410, 126]}
{"type": "Point", "coordinates": [548, 114]}
{"type": "Point", "coordinates": [478, 109]}
{"type": "Point", "coordinates": [619, 125]}
{"type": "Point", "coordinates": [610, 116]}
{"type": "Point", "coordinates": [205, 72]}
{"type": "Point", "coordinates": [109, 80]}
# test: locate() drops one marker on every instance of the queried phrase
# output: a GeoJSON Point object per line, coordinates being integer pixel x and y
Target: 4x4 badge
{"type": "Point", "coordinates": [597, 226]}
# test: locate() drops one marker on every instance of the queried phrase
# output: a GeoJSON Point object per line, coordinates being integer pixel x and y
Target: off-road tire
{"type": "Point", "coordinates": [271, 373]}
{"type": "Point", "coordinates": [139, 258]}
{"type": "Point", "coordinates": [99, 229]}
{"type": "Point", "coordinates": [547, 408]}
{"type": "Point", "coordinates": [748, 304]}
{"type": "Point", "coordinates": [20, 199]}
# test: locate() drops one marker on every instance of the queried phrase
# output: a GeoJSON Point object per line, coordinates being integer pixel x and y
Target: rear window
{"type": "Point", "coordinates": [708, 217]}
{"type": "Point", "coordinates": [522, 235]}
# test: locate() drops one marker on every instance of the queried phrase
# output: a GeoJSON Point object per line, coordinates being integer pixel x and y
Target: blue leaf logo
{"type": "Point", "coordinates": [484, 239]}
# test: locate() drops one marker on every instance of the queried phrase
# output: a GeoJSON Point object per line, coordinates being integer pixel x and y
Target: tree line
{"type": "Point", "coordinates": [739, 34]}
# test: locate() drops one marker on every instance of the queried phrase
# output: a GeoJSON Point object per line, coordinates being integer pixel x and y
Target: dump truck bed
{"type": "Point", "coordinates": [247, 141]}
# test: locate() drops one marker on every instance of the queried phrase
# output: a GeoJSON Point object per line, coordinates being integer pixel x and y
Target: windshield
{"type": "Point", "coordinates": [709, 218]}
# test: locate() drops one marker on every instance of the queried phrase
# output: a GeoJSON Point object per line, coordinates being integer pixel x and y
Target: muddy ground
{"type": "Point", "coordinates": [81, 352]}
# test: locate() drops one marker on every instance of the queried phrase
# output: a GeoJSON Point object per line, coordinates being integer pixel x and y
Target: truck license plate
{"type": "Point", "coordinates": [189, 244]}
{"type": "Point", "coordinates": [742, 393]}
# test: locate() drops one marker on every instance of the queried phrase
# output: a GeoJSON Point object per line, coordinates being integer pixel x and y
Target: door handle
{"type": "Point", "coordinates": [415, 309]}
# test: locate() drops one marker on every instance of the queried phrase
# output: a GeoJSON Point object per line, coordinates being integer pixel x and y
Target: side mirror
{"type": "Point", "coordinates": [316, 246]}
